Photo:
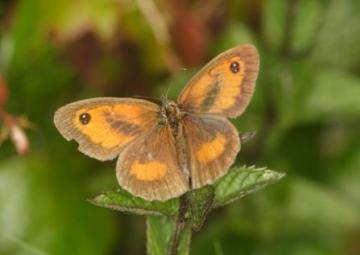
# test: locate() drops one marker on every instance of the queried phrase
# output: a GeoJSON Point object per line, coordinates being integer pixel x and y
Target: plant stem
{"type": "Point", "coordinates": [179, 225]}
{"type": "Point", "coordinates": [169, 235]}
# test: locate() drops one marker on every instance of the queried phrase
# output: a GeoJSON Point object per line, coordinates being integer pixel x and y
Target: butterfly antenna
{"type": "Point", "coordinates": [165, 95]}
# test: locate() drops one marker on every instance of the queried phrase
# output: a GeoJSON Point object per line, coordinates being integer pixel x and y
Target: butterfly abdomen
{"type": "Point", "coordinates": [173, 119]}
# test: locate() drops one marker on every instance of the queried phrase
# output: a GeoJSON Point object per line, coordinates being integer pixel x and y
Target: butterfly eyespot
{"type": "Point", "coordinates": [235, 67]}
{"type": "Point", "coordinates": [84, 118]}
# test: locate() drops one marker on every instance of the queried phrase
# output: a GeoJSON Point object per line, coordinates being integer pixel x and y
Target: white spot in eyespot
{"type": "Point", "coordinates": [150, 156]}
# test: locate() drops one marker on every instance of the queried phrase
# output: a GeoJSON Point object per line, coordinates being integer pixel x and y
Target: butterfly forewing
{"type": "Point", "coordinates": [224, 86]}
{"type": "Point", "coordinates": [103, 126]}
{"type": "Point", "coordinates": [149, 167]}
{"type": "Point", "coordinates": [213, 144]}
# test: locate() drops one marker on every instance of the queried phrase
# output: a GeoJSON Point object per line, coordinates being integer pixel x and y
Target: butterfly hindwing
{"type": "Point", "coordinates": [103, 126]}
{"type": "Point", "coordinates": [213, 144]}
{"type": "Point", "coordinates": [225, 85]}
{"type": "Point", "coordinates": [149, 167]}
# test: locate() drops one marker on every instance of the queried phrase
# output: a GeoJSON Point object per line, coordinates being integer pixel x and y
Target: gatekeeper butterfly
{"type": "Point", "coordinates": [167, 149]}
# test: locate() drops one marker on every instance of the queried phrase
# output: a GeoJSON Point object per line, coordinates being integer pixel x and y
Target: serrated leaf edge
{"type": "Point", "coordinates": [257, 186]}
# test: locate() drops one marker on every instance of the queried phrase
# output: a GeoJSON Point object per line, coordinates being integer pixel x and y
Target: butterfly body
{"type": "Point", "coordinates": [172, 114]}
{"type": "Point", "coordinates": [168, 149]}
{"type": "Point", "coordinates": [172, 117]}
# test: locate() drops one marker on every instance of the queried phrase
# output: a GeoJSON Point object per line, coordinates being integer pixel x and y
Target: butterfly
{"type": "Point", "coordinates": [167, 149]}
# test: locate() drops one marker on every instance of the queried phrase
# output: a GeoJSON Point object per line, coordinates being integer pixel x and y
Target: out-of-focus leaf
{"type": "Point", "coordinates": [315, 206]}
{"type": "Point", "coordinates": [160, 232]}
{"type": "Point", "coordinates": [12, 221]}
{"type": "Point", "coordinates": [274, 22]}
{"type": "Point", "coordinates": [349, 180]}
{"type": "Point", "coordinates": [6, 51]}
{"type": "Point", "coordinates": [242, 181]}
{"type": "Point", "coordinates": [200, 201]}
{"type": "Point", "coordinates": [307, 21]}
{"type": "Point", "coordinates": [236, 33]}
{"type": "Point", "coordinates": [122, 200]}
{"type": "Point", "coordinates": [296, 81]}
{"type": "Point", "coordinates": [174, 85]}
{"type": "Point", "coordinates": [4, 92]}
{"type": "Point", "coordinates": [337, 42]}
{"type": "Point", "coordinates": [335, 95]}
{"type": "Point", "coordinates": [303, 17]}
{"type": "Point", "coordinates": [46, 210]}
{"type": "Point", "coordinates": [139, 29]}
{"type": "Point", "coordinates": [69, 19]}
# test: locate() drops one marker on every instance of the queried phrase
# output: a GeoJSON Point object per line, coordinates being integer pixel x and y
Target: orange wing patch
{"type": "Point", "coordinates": [110, 126]}
{"type": "Point", "coordinates": [103, 126]}
{"type": "Point", "coordinates": [211, 150]}
{"type": "Point", "coordinates": [226, 98]}
{"type": "Point", "coordinates": [225, 85]}
{"type": "Point", "coordinates": [149, 171]}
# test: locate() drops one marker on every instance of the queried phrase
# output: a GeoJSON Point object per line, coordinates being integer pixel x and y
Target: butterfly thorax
{"type": "Point", "coordinates": [172, 115]}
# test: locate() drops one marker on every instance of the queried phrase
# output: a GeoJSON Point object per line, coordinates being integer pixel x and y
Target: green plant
{"type": "Point", "coordinates": [170, 223]}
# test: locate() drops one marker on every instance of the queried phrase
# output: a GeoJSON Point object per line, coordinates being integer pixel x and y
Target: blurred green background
{"type": "Point", "coordinates": [306, 110]}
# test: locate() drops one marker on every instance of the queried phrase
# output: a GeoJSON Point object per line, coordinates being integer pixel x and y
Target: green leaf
{"type": "Point", "coordinates": [122, 200]}
{"type": "Point", "coordinates": [160, 236]}
{"type": "Point", "coordinates": [307, 21]}
{"type": "Point", "coordinates": [275, 22]}
{"type": "Point", "coordinates": [335, 94]}
{"type": "Point", "coordinates": [201, 201]}
{"type": "Point", "coordinates": [321, 205]}
{"type": "Point", "coordinates": [337, 42]}
{"type": "Point", "coordinates": [169, 223]}
{"type": "Point", "coordinates": [302, 17]}
{"type": "Point", "coordinates": [242, 181]}
{"type": "Point", "coordinates": [54, 203]}
{"type": "Point", "coordinates": [235, 34]}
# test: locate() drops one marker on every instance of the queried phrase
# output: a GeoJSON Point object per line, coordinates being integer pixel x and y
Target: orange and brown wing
{"type": "Point", "coordinates": [225, 85]}
{"type": "Point", "coordinates": [149, 167]}
{"type": "Point", "coordinates": [103, 126]}
{"type": "Point", "coordinates": [213, 144]}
